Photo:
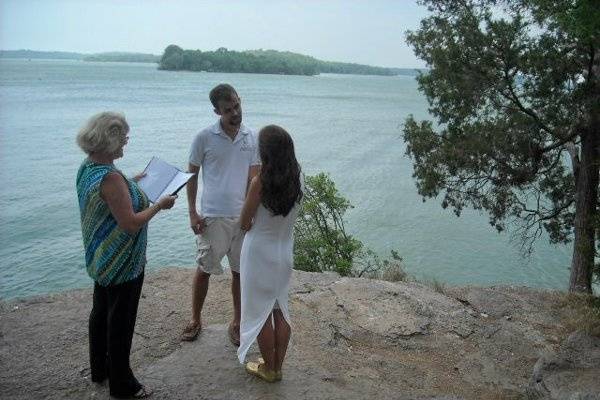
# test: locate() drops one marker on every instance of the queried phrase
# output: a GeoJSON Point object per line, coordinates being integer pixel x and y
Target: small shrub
{"type": "Point", "coordinates": [390, 269]}
{"type": "Point", "coordinates": [321, 242]}
{"type": "Point", "coordinates": [394, 272]}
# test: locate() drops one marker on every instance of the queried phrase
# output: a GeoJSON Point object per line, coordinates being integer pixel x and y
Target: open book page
{"type": "Point", "coordinates": [162, 179]}
{"type": "Point", "coordinates": [179, 181]}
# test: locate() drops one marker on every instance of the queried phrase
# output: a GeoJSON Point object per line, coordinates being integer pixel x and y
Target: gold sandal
{"type": "Point", "coordinates": [278, 376]}
{"type": "Point", "coordinates": [260, 371]}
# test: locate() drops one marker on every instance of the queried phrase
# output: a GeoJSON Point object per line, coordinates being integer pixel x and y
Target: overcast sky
{"type": "Point", "coordinates": [366, 32]}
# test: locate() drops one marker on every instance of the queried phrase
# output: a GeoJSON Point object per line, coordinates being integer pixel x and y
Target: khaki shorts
{"type": "Point", "coordinates": [221, 237]}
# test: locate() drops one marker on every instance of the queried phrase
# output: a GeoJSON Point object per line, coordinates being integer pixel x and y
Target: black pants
{"type": "Point", "coordinates": [112, 322]}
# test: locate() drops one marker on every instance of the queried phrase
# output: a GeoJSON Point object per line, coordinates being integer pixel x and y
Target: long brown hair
{"type": "Point", "coordinates": [280, 171]}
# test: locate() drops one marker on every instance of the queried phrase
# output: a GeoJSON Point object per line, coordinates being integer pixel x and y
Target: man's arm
{"type": "Point", "coordinates": [196, 221]}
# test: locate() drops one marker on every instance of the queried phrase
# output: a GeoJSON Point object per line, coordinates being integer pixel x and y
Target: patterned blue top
{"type": "Point", "coordinates": [112, 256]}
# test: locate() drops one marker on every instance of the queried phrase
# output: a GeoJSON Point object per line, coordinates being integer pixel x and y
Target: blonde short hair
{"type": "Point", "coordinates": [105, 132]}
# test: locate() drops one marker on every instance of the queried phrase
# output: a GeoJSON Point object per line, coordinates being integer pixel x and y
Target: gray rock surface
{"type": "Point", "coordinates": [571, 372]}
{"type": "Point", "coordinates": [352, 339]}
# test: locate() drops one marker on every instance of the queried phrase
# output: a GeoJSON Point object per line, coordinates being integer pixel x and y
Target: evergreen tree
{"type": "Point", "coordinates": [514, 87]}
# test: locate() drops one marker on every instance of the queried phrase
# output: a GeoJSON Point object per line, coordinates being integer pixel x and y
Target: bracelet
{"type": "Point", "coordinates": [159, 207]}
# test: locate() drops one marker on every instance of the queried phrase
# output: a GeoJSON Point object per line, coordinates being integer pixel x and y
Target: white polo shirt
{"type": "Point", "coordinates": [224, 163]}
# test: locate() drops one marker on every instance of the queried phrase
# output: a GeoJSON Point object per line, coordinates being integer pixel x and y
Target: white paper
{"type": "Point", "coordinates": [162, 179]}
{"type": "Point", "coordinates": [178, 181]}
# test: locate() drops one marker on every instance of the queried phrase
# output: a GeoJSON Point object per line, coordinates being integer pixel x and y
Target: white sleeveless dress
{"type": "Point", "coordinates": [265, 270]}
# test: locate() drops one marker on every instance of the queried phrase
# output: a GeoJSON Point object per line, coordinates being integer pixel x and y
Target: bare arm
{"type": "Point", "coordinates": [251, 204]}
{"type": "Point", "coordinates": [252, 172]}
{"type": "Point", "coordinates": [196, 221]}
{"type": "Point", "coordinates": [115, 193]}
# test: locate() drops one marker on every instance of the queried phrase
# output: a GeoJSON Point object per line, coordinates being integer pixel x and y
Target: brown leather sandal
{"type": "Point", "coordinates": [191, 331]}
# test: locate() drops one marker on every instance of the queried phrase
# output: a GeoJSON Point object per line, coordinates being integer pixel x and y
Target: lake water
{"type": "Point", "coordinates": [349, 126]}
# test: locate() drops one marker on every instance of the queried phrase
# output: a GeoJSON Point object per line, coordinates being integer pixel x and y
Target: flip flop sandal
{"type": "Point", "coordinates": [143, 393]}
{"type": "Point", "coordinates": [190, 333]}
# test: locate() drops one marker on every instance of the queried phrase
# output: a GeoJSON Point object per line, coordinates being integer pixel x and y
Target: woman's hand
{"type": "Point", "coordinates": [166, 202]}
{"type": "Point", "coordinates": [139, 176]}
{"type": "Point", "coordinates": [250, 205]}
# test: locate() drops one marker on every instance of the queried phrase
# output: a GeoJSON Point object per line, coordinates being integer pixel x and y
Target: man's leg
{"type": "Point", "coordinates": [199, 291]}
{"type": "Point", "coordinates": [237, 312]}
{"type": "Point", "coordinates": [208, 259]}
{"type": "Point", "coordinates": [237, 239]}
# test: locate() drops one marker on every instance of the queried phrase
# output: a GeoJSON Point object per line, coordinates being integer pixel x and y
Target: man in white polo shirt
{"type": "Point", "coordinates": [227, 152]}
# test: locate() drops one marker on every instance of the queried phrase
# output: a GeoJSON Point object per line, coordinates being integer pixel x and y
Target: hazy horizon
{"type": "Point", "coordinates": [343, 31]}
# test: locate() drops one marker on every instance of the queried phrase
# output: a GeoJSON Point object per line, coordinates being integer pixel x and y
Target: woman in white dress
{"type": "Point", "coordinates": [266, 263]}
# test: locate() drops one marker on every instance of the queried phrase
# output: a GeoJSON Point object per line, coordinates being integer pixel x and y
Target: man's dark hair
{"type": "Point", "coordinates": [221, 92]}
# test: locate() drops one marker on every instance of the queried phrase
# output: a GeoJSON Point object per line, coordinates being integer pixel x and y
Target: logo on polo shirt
{"type": "Point", "coordinates": [246, 146]}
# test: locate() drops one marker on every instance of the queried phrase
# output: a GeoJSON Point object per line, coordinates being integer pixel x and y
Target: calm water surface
{"type": "Point", "coordinates": [349, 126]}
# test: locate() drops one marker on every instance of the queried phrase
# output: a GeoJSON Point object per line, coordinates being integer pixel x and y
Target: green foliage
{"type": "Point", "coordinates": [331, 67]}
{"type": "Point", "coordinates": [321, 242]}
{"type": "Point", "coordinates": [172, 58]}
{"type": "Point", "coordinates": [515, 91]}
{"type": "Point", "coordinates": [260, 62]}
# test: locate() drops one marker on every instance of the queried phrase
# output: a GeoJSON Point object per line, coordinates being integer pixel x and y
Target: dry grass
{"type": "Point", "coordinates": [436, 285]}
{"type": "Point", "coordinates": [580, 312]}
{"type": "Point", "coordinates": [393, 272]}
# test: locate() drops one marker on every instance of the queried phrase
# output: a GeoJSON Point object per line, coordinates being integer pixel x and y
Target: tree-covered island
{"type": "Point", "coordinates": [175, 58]}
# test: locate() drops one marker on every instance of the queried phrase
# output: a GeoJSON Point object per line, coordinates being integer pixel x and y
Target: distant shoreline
{"type": "Point", "coordinates": [315, 67]}
{"type": "Point", "coordinates": [64, 55]}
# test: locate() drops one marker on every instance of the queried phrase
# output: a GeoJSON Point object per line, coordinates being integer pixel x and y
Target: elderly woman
{"type": "Point", "coordinates": [114, 221]}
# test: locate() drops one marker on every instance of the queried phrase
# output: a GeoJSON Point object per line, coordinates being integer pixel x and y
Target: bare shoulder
{"type": "Point", "coordinates": [113, 182]}
{"type": "Point", "coordinates": [113, 177]}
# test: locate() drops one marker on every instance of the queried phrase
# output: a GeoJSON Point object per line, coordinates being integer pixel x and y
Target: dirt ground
{"type": "Point", "coordinates": [351, 339]}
